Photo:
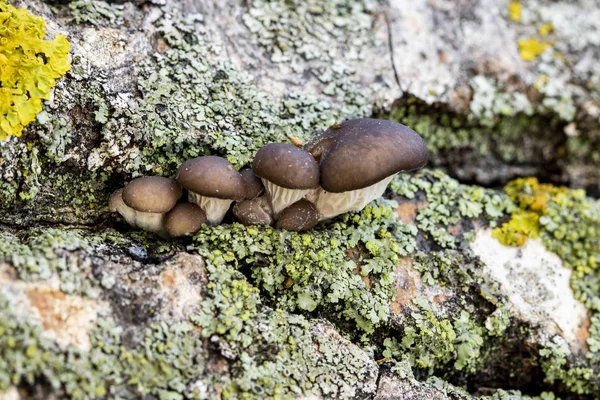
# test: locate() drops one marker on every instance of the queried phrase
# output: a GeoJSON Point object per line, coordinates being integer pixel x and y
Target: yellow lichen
{"type": "Point", "coordinates": [530, 49]}
{"type": "Point", "coordinates": [514, 11]}
{"type": "Point", "coordinates": [545, 29]}
{"type": "Point", "coordinates": [532, 198]}
{"type": "Point", "coordinates": [521, 226]}
{"type": "Point", "coordinates": [29, 67]}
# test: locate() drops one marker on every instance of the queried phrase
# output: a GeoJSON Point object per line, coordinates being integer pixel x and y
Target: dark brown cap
{"type": "Point", "coordinates": [300, 216]}
{"type": "Point", "coordinates": [211, 176]}
{"type": "Point", "coordinates": [361, 152]}
{"type": "Point", "coordinates": [287, 166]}
{"type": "Point", "coordinates": [253, 184]}
{"type": "Point", "coordinates": [185, 219]}
{"type": "Point", "coordinates": [254, 212]}
{"type": "Point", "coordinates": [152, 194]}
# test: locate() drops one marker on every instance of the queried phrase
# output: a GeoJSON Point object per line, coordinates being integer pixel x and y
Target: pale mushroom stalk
{"type": "Point", "coordinates": [213, 184]}
{"type": "Point", "coordinates": [145, 201]}
{"type": "Point", "coordinates": [287, 172]}
{"type": "Point", "coordinates": [214, 208]}
{"type": "Point", "coordinates": [333, 204]}
{"type": "Point", "coordinates": [357, 160]}
{"type": "Point", "coordinates": [281, 197]}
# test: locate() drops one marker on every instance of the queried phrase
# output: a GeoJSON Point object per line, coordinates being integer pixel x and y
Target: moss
{"type": "Point", "coordinates": [31, 66]}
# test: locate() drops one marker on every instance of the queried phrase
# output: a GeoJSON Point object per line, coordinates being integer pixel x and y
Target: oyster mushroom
{"type": "Point", "coordinates": [254, 212]}
{"type": "Point", "coordinates": [288, 173]}
{"type": "Point", "coordinates": [300, 216]}
{"type": "Point", "coordinates": [213, 184]}
{"type": "Point", "coordinates": [145, 201]}
{"type": "Point", "coordinates": [357, 160]}
{"type": "Point", "coordinates": [184, 220]}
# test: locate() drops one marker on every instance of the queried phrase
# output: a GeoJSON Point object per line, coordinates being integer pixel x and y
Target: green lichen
{"type": "Point", "coordinates": [574, 375]}
{"type": "Point", "coordinates": [567, 221]}
{"type": "Point", "coordinates": [430, 343]}
{"type": "Point", "coordinates": [498, 129]}
{"type": "Point", "coordinates": [448, 203]}
{"type": "Point", "coordinates": [255, 346]}
{"type": "Point", "coordinates": [328, 35]}
{"type": "Point", "coordinates": [345, 268]}
{"type": "Point", "coordinates": [97, 13]}
{"type": "Point", "coordinates": [517, 395]}
{"type": "Point", "coordinates": [30, 67]}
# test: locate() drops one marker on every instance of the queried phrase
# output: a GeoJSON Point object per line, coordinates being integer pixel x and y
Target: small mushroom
{"type": "Point", "coordinates": [300, 216]}
{"type": "Point", "coordinates": [145, 201]}
{"type": "Point", "coordinates": [288, 173]}
{"type": "Point", "coordinates": [213, 183]}
{"type": "Point", "coordinates": [253, 184]}
{"type": "Point", "coordinates": [357, 160]}
{"type": "Point", "coordinates": [184, 220]}
{"type": "Point", "coordinates": [254, 212]}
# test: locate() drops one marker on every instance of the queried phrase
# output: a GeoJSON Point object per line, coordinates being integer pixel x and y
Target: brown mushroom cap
{"type": "Point", "coordinates": [211, 176]}
{"type": "Point", "coordinates": [361, 152]}
{"type": "Point", "coordinates": [253, 184]}
{"type": "Point", "coordinates": [287, 166]}
{"type": "Point", "coordinates": [184, 219]}
{"type": "Point", "coordinates": [254, 212]}
{"type": "Point", "coordinates": [300, 216]}
{"type": "Point", "coordinates": [152, 194]}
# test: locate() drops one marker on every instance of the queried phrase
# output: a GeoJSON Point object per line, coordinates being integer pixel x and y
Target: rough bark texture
{"type": "Point", "coordinates": [412, 298]}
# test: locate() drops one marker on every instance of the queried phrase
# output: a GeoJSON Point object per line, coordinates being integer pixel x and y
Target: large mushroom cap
{"type": "Point", "coordinates": [300, 216]}
{"type": "Point", "coordinates": [362, 152]}
{"type": "Point", "coordinates": [211, 176]}
{"type": "Point", "coordinates": [184, 219]}
{"type": "Point", "coordinates": [287, 166]}
{"type": "Point", "coordinates": [152, 194]}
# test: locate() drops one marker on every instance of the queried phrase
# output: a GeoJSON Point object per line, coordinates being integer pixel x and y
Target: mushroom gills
{"type": "Point", "coordinates": [281, 198]}
{"type": "Point", "coordinates": [214, 208]}
{"type": "Point", "coordinates": [333, 204]}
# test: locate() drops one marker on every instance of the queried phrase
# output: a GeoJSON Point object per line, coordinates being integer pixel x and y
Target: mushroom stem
{"type": "Point", "coordinates": [280, 197]}
{"type": "Point", "coordinates": [214, 208]}
{"type": "Point", "coordinates": [151, 222]}
{"type": "Point", "coordinates": [333, 204]}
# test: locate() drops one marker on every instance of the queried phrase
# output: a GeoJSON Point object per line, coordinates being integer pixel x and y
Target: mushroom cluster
{"type": "Point", "coordinates": [343, 169]}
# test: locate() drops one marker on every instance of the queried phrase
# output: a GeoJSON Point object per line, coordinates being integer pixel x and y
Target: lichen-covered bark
{"type": "Point", "coordinates": [417, 296]}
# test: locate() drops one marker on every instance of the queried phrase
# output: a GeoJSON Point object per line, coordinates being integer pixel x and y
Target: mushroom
{"type": "Point", "coordinates": [288, 173]}
{"type": "Point", "coordinates": [253, 184]}
{"type": "Point", "coordinates": [213, 183]}
{"type": "Point", "coordinates": [254, 212]}
{"type": "Point", "coordinates": [300, 216]}
{"type": "Point", "coordinates": [145, 201]}
{"type": "Point", "coordinates": [357, 160]}
{"type": "Point", "coordinates": [184, 220]}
